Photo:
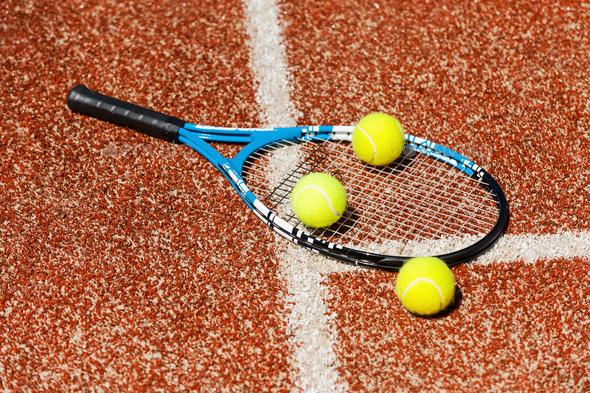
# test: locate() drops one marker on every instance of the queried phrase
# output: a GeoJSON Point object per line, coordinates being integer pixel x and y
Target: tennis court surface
{"type": "Point", "coordinates": [130, 264]}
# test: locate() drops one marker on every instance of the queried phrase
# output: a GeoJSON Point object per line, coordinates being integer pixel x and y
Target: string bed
{"type": "Point", "coordinates": [417, 205]}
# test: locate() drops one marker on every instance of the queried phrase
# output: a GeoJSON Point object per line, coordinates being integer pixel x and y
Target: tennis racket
{"type": "Point", "coordinates": [431, 201]}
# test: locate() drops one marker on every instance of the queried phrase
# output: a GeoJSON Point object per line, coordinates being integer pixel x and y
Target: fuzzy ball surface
{"type": "Point", "coordinates": [318, 200]}
{"type": "Point", "coordinates": [425, 285]}
{"type": "Point", "coordinates": [378, 139]}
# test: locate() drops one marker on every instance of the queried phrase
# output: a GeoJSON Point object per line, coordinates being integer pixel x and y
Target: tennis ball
{"type": "Point", "coordinates": [425, 285]}
{"type": "Point", "coordinates": [378, 139]}
{"type": "Point", "coordinates": [318, 200]}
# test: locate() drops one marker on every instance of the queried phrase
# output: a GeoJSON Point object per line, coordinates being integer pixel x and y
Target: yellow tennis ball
{"type": "Point", "coordinates": [318, 200]}
{"type": "Point", "coordinates": [425, 285]}
{"type": "Point", "coordinates": [378, 139]}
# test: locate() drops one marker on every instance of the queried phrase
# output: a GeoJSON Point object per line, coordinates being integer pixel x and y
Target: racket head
{"type": "Point", "coordinates": [431, 201]}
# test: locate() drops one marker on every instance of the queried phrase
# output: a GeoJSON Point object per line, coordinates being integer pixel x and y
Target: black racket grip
{"type": "Point", "coordinates": [82, 99]}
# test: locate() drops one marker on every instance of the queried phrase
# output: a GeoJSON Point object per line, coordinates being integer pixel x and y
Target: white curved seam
{"type": "Point", "coordinates": [401, 129]}
{"type": "Point", "coordinates": [370, 140]}
{"type": "Point", "coordinates": [323, 193]}
{"type": "Point", "coordinates": [428, 281]}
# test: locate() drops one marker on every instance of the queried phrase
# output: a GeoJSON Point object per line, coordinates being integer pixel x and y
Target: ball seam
{"type": "Point", "coordinates": [323, 193]}
{"type": "Point", "coordinates": [370, 140]}
{"type": "Point", "coordinates": [428, 281]}
{"type": "Point", "coordinates": [401, 129]}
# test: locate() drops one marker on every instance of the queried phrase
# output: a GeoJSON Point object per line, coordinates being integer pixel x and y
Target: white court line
{"type": "Point", "coordinates": [307, 270]}
{"type": "Point", "coordinates": [267, 61]}
{"type": "Point", "coordinates": [530, 248]}
{"type": "Point", "coordinates": [314, 360]}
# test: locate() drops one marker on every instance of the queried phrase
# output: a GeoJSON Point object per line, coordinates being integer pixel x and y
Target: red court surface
{"type": "Point", "coordinates": [119, 271]}
{"type": "Point", "coordinates": [130, 264]}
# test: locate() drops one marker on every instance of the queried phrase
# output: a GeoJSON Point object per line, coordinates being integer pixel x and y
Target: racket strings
{"type": "Point", "coordinates": [416, 227]}
{"type": "Point", "coordinates": [285, 191]}
{"type": "Point", "coordinates": [425, 172]}
{"type": "Point", "coordinates": [374, 216]}
{"type": "Point", "coordinates": [455, 211]}
{"type": "Point", "coordinates": [400, 166]}
{"type": "Point", "coordinates": [311, 163]}
{"type": "Point", "coordinates": [417, 198]}
{"type": "Point", "coordinates": [310, 169]}
{"type": "Point", "coordinates": [378, 201]}
{"type": "Point", "coordinates": [472, 217]}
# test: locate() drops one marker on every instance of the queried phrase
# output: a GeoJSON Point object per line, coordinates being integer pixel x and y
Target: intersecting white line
{"type": "Point", "coordinates": [530, 248]}
{"type": "Point", "coordinates": [314, 362]}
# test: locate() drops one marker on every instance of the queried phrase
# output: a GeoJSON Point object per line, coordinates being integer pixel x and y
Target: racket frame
{"type": "Point", "coordinates": [196, 137]}
{"type": "Point", "coordinates": [84, 100]}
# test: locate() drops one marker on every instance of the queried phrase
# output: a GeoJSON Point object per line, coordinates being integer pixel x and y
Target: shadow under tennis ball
{"type": "Point", "coordinates": [451, 308]}
{"type": "Point", "coordinates": [455, 304]}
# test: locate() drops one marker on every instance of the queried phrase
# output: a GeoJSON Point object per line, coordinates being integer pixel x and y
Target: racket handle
{"type": "Point", "coordinates": [82, 99]}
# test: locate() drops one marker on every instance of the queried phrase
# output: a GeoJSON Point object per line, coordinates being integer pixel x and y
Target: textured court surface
{"type": "Point", "coordinates": [128, 264]}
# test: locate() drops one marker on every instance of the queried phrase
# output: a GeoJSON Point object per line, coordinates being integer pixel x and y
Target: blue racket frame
{"type": "Point", "coordinates": [197, 137]}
